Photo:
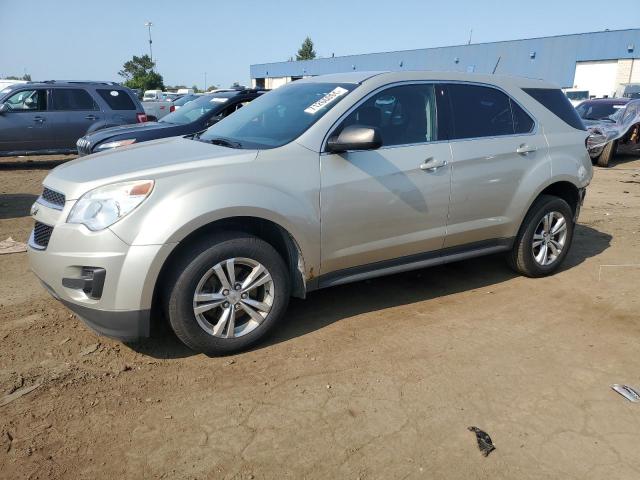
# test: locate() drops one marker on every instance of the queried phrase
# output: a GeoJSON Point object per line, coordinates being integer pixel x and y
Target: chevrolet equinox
{"type": "Point", "coordinates": [324, 181]}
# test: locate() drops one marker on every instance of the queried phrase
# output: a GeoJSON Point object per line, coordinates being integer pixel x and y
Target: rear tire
{"type": "Point", "coordinates": [544, 238]}
{"type": "Point", "coordinates": [208, 299]}
{"type": "Point", "coordinates": [607, 154]}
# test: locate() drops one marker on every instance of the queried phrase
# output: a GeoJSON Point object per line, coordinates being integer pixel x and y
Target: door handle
{"type": "Point", "coordinates": [524, 149]}
{"type": "Point", "coordinates": [91, 117]}
{"type": "Point", "coordinates": [432, 164]}
{"type": "Point", "coordinates": [38, 119]}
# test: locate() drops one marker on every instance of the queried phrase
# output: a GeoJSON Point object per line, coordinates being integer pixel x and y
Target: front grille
{"type": "Point", "coordinates": [42, 234]}
{"type": "Point", "coordinates": [53, 197]}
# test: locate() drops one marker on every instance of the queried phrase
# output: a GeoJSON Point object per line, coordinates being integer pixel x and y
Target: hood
{"type": "Point", "coordinates": [149, 160]}
{"type": "Point", "coordinates": [128, 131]}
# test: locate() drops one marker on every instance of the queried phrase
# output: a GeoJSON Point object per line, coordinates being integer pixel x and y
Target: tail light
{"type": "Point", "coordinates": [141, 117]}
{"type": "Point", "coordinates": [172, 108]}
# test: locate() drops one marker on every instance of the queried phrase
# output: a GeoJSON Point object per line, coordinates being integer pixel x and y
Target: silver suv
{"type": "Point", "coordinates": [324, 181]}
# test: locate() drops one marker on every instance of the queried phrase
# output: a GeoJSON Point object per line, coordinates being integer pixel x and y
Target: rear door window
{"type": "Point", "coordinates": [70, 99]}
{"type": "Point", "coordinates": [117, 99]}
{"type": "Point", "coordinates": [479, 111]}
{"type": "Point", "coordinates": [558, 103]}
{"type": "Point", "coordinates": [28, 101]}
{"type": "Point", "coordinates": [522, 122]}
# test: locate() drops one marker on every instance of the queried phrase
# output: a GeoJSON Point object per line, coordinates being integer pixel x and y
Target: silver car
{"type": "Point", "coordinates": [324, 181]}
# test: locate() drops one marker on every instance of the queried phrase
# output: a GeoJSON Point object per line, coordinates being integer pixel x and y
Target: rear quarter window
{"type": "Point", "coordinates": [557, 103]}
{"type": "Point", "coordinates": [117, 99]}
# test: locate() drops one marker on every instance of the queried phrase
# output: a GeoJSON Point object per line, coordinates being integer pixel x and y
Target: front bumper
{"type": "Point", "coordinates": [121, 307]}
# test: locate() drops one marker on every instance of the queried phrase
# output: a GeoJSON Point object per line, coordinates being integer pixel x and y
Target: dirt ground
{"type": "Point", "coordinates": [374, 380]}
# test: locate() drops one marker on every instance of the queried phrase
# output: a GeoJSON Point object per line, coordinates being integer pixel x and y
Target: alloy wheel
{"type": "Point", "coordinates": [549, 238]}
{"type": "Point", "coordinates": [233, 298]}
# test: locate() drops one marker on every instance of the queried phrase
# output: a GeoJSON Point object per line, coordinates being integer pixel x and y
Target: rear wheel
{"type": "Point", "coordinates": [544, 238]}
{"type": "Point", "coordinates": [226, 293]}
{"type": "Point", "coordinates": [607, 154]}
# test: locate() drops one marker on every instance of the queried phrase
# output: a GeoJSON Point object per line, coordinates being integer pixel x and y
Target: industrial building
{"type": "Point", "coordinates": [598, 62]}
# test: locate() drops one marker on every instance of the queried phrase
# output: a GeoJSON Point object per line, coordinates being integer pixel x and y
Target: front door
{"type": "Point", "coordinates": [391, 202]}
{"type": "Point", "coordinates": [24, 127]}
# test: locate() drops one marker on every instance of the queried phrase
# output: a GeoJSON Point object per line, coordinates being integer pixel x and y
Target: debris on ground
{"type": "Point", "coordinates": [11, 246]}
{"type": "Point", "coordinates": [627, 392]}
{"type": "Point", "coordinates": [484, 441]}
{"type": "Point", "coordinates": [89, 349]}
{"type": "Point", "coordinates": [17, 394]}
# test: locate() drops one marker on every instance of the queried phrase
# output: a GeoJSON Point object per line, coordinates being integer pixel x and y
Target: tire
{"type": "Point", "coordinates": [607, 154]}
{"type": "Point", "coordinates": [209, 331]}
{"type": "Point", "coordinates": [525, 258]}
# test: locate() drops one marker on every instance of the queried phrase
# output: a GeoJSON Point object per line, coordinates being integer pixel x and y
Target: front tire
{"type": "Point", "coordinates": [607, 154]}
{"type": "Point", "coordinates": [544, 238]}
{"type": "Point", "coordinates": [226, 293]}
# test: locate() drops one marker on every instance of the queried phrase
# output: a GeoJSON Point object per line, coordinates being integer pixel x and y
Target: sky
{"type": "Point", "coordinates": [91, 39]}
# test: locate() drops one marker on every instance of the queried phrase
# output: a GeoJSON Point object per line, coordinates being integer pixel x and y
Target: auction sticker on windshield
{"type": "Point", "coordinates": [326, 100]}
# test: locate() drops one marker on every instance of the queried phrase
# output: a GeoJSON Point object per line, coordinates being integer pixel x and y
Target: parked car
{"type": "Point", "coordinates": [614, 124]}
{"type": "Point", "coordinates": [4, 83]}
{"type": "Point", "coordinates": [576, 96]}
{"type": "Point", "coordinates": [631, 90]}
{"type": "Point", "coordinates": [324, 181]}
{"type": "Point", "coordinates": [152, 95]}
{"type": "Point", "coordinates": [195, 116]}
{"type": "Point", "coordinates": [49, 117]}
{"type": "Point", "coordinates": [156, 109]}
{"type": "Point", "coordinates": [186, 91]}
{"type": "Point", "coordinates": [184, 99]}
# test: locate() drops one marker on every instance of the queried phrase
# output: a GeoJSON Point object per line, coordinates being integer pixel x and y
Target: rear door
{"type": "Point", "coordinates": [25, 127]}
{"type": "Point", "coordinates": [495, 144]}
{"type": "Point", "coordinates": [78, 109]}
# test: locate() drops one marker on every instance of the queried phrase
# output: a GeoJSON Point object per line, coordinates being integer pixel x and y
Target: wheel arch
{"type": "Point", "coordinates": [562, 188]}
{"type": "Point", "coordinates": [268, 230]}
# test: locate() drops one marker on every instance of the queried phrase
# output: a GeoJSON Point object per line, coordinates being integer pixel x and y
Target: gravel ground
{"type": "Point", "coordinates": [374, 380]}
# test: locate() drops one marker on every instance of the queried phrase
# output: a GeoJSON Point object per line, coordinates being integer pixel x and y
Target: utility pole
{"type": "Point", "coordinates": [468, 43]}
{"type": "Point", "coordinates": [149, 25]}
{"type": "Point", "coordinates": [205, 82]}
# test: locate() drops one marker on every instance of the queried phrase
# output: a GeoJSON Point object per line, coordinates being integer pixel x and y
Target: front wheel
{"type": "Point", "coordinates": [226, 293]}
{"type": "Point", "coordinates": [607, 154]}
{"type": "Point", "coordinates": [544, 238]}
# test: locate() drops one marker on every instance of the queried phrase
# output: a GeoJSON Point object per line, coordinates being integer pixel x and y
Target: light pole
{"type": "Point", "coordinates": [205, 82]}
{"type": "Point", "coordinates": [149, 25]}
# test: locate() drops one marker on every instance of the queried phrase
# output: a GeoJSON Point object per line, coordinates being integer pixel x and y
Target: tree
{"type": "Point", "coordinates": [138, 73]}
{"type": "Point", "coordinates": [26, 77]}
{"type": "Point", "coordinates": [306, 51]}
{"type": "Point", "coordinates": [195, 88]}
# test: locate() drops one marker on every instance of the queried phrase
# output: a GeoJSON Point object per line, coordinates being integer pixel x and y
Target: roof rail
{"type": "Point", "coordinates": [85, 82]}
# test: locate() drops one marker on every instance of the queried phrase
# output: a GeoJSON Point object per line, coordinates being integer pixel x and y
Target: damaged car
{"type": "Point", "coordinates": [614, 124]}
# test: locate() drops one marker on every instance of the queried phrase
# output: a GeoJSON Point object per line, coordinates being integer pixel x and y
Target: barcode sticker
{"type": "Point", "coordinates": [326, 100]}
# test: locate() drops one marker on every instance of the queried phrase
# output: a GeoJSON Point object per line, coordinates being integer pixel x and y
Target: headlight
{"type": "Point", "coordinates": [104, 206]}
{"type": "Point", "coordinates": [116, 144]}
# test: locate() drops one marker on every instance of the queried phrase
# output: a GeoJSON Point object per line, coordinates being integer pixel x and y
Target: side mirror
{"type": "Point", "coordinates": [355, 137]}
{"type": "Point", "coordinates": [4, 108]}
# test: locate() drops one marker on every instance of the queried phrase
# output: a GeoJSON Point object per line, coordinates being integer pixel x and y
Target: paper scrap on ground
{"type": "Point", "coordinates": [11, 246]}
{"type": "Point", "coordinates": [17, 394]}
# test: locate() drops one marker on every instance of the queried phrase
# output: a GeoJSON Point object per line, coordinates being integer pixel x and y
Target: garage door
{"type": "Point", "coordinates": [597, 77]}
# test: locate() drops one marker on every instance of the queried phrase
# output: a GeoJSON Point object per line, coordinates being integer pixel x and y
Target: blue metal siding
{"type": "Point", "coordinates": [555, 57]}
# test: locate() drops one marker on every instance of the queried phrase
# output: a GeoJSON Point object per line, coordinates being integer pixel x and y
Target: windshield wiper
{"type": "Point", "coordinates": [222, 142]}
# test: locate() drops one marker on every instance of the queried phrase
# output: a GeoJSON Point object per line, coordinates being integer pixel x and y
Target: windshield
{"type": "Point", "coordinates": [182, 100]}
{"type": "Point", "coordinates": [597, 110]}
{"type": "Point", "coordinates": [578, 95]}
{"type": "Point", "coordinates": [196, 109]}
{"type": "Point", "coordinates": [279, 116]}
